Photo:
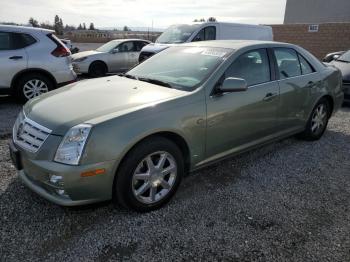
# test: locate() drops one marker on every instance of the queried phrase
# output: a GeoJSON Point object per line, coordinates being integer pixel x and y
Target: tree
{"type": "Point", "coordinates": [58, 25]}
{"type": "Point", "coordinates": [91, 27]}
{"type": "Point", "coordinates": [212, 19]}
{"type": "Point", "coordinates": [80, 27]}
{"type": "Point", "coordinates": [195, 20]}
{"type": "Point", "coordinates": [47, 25]}
{"type": "Point", "coordinates": [33, 22]}
{"type": "Point", "coordinates": [126, 29]}
{"type": "Point", "coordinates": [84, 26]}
{"type": "Point", "coordinates": [202, 20]}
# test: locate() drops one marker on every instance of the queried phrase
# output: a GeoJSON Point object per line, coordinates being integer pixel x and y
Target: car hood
{"type": "Point", "coordinates": [85, 54]}
{"type": "Point", "coordinates": [344, 68]}
{"type": "Point", "coordinates": [78, 103]}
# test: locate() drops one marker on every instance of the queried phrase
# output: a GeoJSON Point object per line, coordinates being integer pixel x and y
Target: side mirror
{"type": "Point", "coordinates": [115, 50]}
{"type": "Point", "coordinates": [232, 84]}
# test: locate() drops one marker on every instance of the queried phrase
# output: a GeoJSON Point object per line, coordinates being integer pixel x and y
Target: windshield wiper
{"type": "Point", "coordinates": [129, 76]}
{"type": "Point", "coordinates": [339, 60]}
{"type": "Point", "coordinates": [155, 81]}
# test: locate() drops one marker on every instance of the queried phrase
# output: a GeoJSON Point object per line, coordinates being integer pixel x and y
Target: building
{"type": "Point", "coordinates": [320, 26]}
{"type": "Point", "coordinates": [317, 11]}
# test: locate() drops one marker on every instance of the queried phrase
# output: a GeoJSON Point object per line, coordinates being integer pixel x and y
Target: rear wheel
{"type": "Point", "coordinates": [98, 69]}
{"type": "Point", "coordinates": [150, 175]}
{"type": "Point", "coordinates": [32, 85]}
{"type": "Point", "coordinates": [317, 122]}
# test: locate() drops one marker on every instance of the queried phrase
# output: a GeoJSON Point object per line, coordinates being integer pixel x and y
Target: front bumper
{"type": "Point", "coordinates": [81, 67]}
{"type": "Point", "coordinates": [78, 190]}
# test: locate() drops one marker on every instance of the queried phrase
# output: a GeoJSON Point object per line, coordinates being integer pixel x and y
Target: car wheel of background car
{"type": "Point", "coordinates": [149, 176]}
{"type": "Point", "coordinates": [32, 85]}
{"type": "Point", "coordinates": [97, 69]}
{"type": "Point", "coordinates": [317, 122]}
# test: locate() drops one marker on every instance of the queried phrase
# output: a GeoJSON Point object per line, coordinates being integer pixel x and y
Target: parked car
{"type": "Point", "coordinates": [133, 138]}
{"type": "Point", "coordinates": [68, 43]}
{"type": "Point", "coordinates": [332, 56]}
{"type": "Point", "coordinates": [113, 57]}
{"type": "Point", "coordinates": [185, 33]}
{"type": "Point", "coordinates": [33, 61]}
{"type": "Point", "coordinates": [343, 63]}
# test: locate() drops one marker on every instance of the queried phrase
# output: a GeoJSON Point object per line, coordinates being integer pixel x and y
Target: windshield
{"type": "Point", "coordinates": [107, 47]}
{"type": "Point", "coordinates": [345, 57]}
{"type": "Point", "coordinates": [183, 68]}
{"type": "Point", "coordinates": [177, 34]}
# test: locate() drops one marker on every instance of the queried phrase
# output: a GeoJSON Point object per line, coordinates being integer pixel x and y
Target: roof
{"type": "Point", "coordinates": [16, 28]}
{"type": "Point", "coordinates": [236, 44]}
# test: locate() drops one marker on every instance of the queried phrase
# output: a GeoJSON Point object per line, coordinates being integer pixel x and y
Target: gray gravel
{"type": "Point", "coordinates": [289, 201]}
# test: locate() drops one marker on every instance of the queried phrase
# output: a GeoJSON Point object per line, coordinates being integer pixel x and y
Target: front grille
{"type": "Point", "coordinates": [28, 134]}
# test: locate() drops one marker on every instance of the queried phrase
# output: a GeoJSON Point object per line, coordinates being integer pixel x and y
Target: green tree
{"type": "Point", "coordinates": [84, 26]}
{"type": "Point", "coordinates": [80, 27]}
{"type": "Point", "coordinates": [126, 29]}
{"type": "Point", "coordinates": [91, 27]}
{"type": "Point", "coordinates": [58, 25]}
{"type": "Point", "coordinates": [33, 22]}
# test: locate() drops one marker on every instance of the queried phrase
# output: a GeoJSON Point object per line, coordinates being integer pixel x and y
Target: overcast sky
{"type": "Point", "coordinates": [133, 13]}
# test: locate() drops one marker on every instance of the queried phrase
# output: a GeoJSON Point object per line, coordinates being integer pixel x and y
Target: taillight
{"type": "Point", "coordinates": [60, 51]}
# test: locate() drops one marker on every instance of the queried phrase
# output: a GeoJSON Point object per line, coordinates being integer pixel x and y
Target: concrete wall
{"type": "Point", "coordinates": [330, 37]}
{"type": "Point", "coordinates": [317, 11]}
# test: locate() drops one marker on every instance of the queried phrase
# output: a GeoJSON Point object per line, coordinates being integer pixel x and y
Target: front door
{"type": "Point", "coordinates": [12, 58]}
{"type": "Point", "coordinates": [239, 119]}
{"type": "Point", "coordinates": [119, 60]}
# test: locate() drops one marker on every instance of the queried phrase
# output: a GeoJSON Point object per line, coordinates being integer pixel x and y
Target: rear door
{"type": "Point", "coordinates": [297, 79]}
{"type": "Point", "coordinates": [134, 55]}
{"type": "Point", "coordinates": [239, 119]}
{"type": "Point", "coordinates": [13, 57]}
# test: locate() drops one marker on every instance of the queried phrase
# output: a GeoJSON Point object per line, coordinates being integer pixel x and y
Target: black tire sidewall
{"type": "Point", "coordinates": [24, 79]}
{"type": "Point", "coordinates": [123, 182]}
{"type": "Point", "coordinates": [97, 69]}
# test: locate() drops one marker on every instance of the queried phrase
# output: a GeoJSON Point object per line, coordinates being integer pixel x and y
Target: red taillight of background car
{"type": "Point", "coordinates": [60, 51]}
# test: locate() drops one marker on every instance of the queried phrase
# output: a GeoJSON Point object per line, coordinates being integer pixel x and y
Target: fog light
{"type": "Point", "coordinates": [56, 180]}
{"type": "Point", "coordinates": [61, 192]}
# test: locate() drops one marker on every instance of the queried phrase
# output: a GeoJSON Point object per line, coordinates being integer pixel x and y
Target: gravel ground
{"type": "Point", "coordinates": [289, 201]}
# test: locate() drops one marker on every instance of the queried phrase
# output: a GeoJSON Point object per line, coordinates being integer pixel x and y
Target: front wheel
{"type": "Point", "coordinates": [317, 123]}
{"type": "Point", "coordinates": [150, 175]}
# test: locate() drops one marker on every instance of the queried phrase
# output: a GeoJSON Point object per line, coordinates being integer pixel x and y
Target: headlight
{"type": "Point", "coordinates": [80, 59]}
{"type": "Point", "coordinates": [71, 148]}
{"type": "Point", "coordinates": [18, 122]}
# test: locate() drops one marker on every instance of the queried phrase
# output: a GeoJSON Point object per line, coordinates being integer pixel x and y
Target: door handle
{"type": "Point", "coordinates": [269, 96]}
{"type": "Point", "coordinates": [16, 57]}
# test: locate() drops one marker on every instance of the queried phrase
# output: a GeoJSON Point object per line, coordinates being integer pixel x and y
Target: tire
{"type": "Point", "coordinates": [135, 189]}
{"type": "Point", "coordinates": [32, 85]}
{"type": "Point", "coordinates": [318, 121]}
{"type": "Point", "coordinates": [98, 69]}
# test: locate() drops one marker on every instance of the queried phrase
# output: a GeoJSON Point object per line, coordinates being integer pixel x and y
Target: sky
{"type": "Point", "coordinates": [138, 13]}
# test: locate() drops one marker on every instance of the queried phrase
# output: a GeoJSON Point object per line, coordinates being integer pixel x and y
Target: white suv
{"type": "Point", "coordinates": [32, 61]}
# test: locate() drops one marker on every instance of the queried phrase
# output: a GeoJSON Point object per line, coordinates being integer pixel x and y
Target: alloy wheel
{"type": "Point", "coordinates": [34, 88]}
{"type": "Point", "coordinates": [319, 118]}
{"type": "Point", "coordinates": [154, 177]}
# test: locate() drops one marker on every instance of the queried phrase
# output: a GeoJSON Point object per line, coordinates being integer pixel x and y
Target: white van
{"type": "Point", "coordinates": [184, 33]}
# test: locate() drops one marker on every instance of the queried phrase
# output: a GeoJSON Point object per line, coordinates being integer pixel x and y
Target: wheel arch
{"type": "Point", "coordinates": [32, 71]}
{"type": "Point", "coordinates": [179, 140]}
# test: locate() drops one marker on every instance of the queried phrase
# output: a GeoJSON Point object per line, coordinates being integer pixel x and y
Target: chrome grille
{"type": "Point", "coordinates": [28, 134]}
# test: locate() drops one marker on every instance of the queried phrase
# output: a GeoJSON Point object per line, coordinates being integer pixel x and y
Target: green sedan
{"type": "Point", "coordinates": [132, 138]}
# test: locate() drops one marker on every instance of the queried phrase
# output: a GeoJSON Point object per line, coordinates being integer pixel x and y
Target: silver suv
{"type": "Point", "coordinates": [32, 61]}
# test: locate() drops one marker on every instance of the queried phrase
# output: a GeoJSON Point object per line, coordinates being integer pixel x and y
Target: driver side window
{"type": "Point", "coordinates": [126, 47]}
{"type": "Point", "coordinates": [253, 66]}
{"type": "Point", "coordinates": [206, 34]}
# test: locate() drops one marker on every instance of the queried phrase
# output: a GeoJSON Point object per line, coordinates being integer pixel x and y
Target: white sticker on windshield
{"type": "Point", "coordinates": [213, 52]}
